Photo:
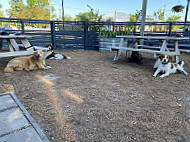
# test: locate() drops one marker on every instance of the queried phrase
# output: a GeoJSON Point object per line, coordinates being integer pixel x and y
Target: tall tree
{"type": "Point", "coordinates": [92, 15]}
{"type": "Point", "coordinates": [40, 3]}
{"type": "Point", "coordinates": [136, 17]}
{"type": "Point", "coordinates": [132, 18]}
{"type": "Point", "coordinates": [35, 9]}
{"type": "Point", "coordinates": [39, 9]}
{"type": "Point", "coordinates": [35, 12]}
{"type": "Point", "coordinates": [68, 18]}
{"type": "Point", "coordinates": [1, 12]}
{"type": "Point", "coordinates": [174, 18]}
{"type": "Point", "coordinates": [160, 14]}
{"type": "Point", "coordinates": [17, 6]}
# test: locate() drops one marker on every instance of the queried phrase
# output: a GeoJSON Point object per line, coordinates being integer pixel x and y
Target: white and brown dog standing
{"type": "Point", "coordinates": [167, 67]}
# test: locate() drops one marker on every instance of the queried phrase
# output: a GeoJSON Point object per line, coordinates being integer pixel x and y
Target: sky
{"type": "Point", "coordinates": [73, 7]}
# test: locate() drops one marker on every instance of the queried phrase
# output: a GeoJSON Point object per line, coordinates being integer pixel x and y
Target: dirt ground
{"type": "Point", "coordinates": [91, 98]}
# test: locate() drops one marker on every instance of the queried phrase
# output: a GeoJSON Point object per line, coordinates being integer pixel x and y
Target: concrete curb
{"type": "Point", "coordinates": [16, 124]}
{"type": "Point", "coordinates": [29, 118]}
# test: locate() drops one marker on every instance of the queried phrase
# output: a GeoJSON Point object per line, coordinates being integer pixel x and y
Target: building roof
{"type": "Point", "coordinates": [123, 17]}
{"type": "Point", "coordinates": [117, 17]}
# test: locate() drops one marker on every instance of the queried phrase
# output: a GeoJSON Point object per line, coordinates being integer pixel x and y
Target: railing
{"type": "Point", "coordinates": [85, 35]}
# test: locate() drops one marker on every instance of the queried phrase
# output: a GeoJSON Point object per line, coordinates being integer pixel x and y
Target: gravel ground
{"type": "Point", "coordinates": [91, 98]}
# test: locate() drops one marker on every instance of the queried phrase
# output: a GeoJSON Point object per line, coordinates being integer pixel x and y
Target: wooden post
{"type": "Point", "coordinates": [85, 35]}
{"type": "Point", "coordinates": [113, 27]}
{"type": "Point", "coordinates": [50, 9]}
{"type": "Point", "coordinates": [176, 50]}
{"type": "Point", "coordinates": [53, 39]}
{"type": "Point", "coordinates": [1, 44]}
{"type": "Point", "coordinates": [144, 5]}
{"type": "Point", "coordinates": [22, 26]}
{"type": "Point", "coordinates": [187, 8]}
{"type": "Point", "coordinates": [63, 15]}
{"type": "Point", "coordinates": [170, 29]}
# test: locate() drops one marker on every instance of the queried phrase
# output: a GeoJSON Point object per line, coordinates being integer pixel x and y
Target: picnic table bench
{"type": "Point", "coordinates": [136, 46]}
{"type": "Point", "coordinates": [14, 47]}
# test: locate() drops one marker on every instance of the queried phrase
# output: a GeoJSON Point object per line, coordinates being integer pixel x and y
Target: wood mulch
{"type": "Point", "coordinates": [92, 98]}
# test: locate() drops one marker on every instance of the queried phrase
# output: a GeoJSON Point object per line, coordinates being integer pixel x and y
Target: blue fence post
{"type": "Point", "coordinates": [170, 29]}
{"type": "Point", "coordinates": [85, 35]}
{"type": "Point", "coordinates": [53, 39]}
{"type": "Point", "coordinates": [113, 27]}
{"type": "Point", "coordinates": [22, 26]}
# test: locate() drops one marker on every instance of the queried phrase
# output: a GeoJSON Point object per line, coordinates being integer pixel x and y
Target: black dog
{"type": "Point", "coordinates": [136, 57]}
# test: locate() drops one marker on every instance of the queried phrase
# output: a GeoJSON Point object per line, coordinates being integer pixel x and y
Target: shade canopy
{"type": "Point", "coordinates": [178, 8]}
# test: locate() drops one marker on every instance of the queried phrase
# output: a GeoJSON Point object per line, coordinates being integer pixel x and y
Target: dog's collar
{"type": "Point", "coordinates": [165, 63]}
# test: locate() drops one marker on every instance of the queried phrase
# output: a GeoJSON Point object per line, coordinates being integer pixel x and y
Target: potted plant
{"type": "Point", "coordinates": [108, 38]}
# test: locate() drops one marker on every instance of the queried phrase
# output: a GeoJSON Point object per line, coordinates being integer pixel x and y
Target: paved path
{"type": "Point", "coordinates": [16, 124]}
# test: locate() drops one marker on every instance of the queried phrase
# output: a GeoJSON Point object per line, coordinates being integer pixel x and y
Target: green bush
{"type": "Point", "coordinates": [112, 34]}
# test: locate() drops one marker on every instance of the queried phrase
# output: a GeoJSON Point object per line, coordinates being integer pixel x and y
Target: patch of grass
{"type": "Point", "coordinates": [13, 80]}
{"type": "Point", "coordinates": [53, 113]}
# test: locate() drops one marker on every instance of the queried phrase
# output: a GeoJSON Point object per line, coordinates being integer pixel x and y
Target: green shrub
{"type": "Point", "coordinates": [112, 34]}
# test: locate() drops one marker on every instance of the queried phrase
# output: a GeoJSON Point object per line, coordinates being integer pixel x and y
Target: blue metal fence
{"type": "Point", "coordinates": [83, 34]}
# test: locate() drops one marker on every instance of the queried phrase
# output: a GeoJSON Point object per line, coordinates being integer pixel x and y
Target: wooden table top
{"type": "Point", "coordinates": [154, 37]}
{"type": "Point", "coordinates": [12, 36]}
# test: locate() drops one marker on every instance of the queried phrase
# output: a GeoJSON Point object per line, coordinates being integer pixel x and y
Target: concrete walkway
{"type": "Point", "coordinates": [16, 124]}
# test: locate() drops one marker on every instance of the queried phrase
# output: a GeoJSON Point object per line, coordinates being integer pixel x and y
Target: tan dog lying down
{"type": "Point", "coordinates": [33, 62]}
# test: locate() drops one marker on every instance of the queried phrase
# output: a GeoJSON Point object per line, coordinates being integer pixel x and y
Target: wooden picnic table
{"type": "Point", "coordinates": [136, 46]}
{"type": "Point", "coordinates": [14, 49]}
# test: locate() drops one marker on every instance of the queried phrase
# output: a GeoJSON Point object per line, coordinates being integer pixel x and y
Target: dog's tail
{"type": "Point", "coordinates": [67, 57]}
{"type": "Point", "coordinates": [8, 70]}
{"type": "Point", "coordinates": [181, 63]}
